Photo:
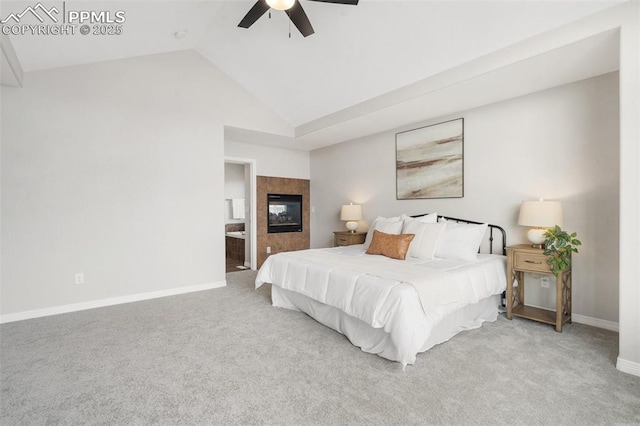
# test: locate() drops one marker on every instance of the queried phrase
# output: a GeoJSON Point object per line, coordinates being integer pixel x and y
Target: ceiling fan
{"type": "Point", "coordinates": [293, 8]}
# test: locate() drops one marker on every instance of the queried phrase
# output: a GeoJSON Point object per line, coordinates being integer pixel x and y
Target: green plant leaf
{"type": "Point", "coordinates": [558, 246]}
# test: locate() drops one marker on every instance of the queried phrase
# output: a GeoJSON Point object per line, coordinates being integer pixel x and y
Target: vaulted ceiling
{"type": "Point", "coordinates": [356, 54]}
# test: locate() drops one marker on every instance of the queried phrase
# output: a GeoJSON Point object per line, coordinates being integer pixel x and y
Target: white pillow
{"type": "Point", "coordinates": [428, 218]}
{"type": "Point", "coordinates": [460, 241]}
{"type": "Point", "coordinates": [391, 225]}
{"type": "Point", "coordinates": [423, 245]}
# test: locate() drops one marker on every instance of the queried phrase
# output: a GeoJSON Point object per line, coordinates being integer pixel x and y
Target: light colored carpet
{"type": "Point", "coordinates": [226, 356]}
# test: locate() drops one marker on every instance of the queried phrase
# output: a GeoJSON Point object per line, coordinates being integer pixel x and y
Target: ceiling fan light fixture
{"type": "Point", "coordinates": [281, 4]}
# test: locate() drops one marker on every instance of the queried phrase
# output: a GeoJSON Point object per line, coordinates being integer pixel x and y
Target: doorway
{"type": "Point", "coordinates": [240, 211]}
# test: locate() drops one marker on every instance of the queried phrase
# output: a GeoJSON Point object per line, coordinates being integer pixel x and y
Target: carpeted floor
{"type": "Point", "coordinates": [226, 356]}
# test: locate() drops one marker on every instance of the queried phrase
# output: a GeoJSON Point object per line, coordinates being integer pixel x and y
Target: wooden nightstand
{"type": "Point", "coordinates": [346, 238]}
{"type": "Point", "coordinates": [524, 258]}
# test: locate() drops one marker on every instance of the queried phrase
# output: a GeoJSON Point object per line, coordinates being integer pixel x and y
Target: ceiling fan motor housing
{"type": "Point", "coordinates": [292, 8]}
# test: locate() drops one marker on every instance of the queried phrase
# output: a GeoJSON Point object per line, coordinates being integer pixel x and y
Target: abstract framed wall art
{"type": "Point", "coordinates": [430, 161]}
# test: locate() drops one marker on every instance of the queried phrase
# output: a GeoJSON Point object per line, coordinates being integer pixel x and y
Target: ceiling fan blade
{"type": "Point", "coordinates": [352, 2]}
{"type": "Point", "coordinates": [300, 19]}
{"type": "Point", "coordinates": [258, 9]}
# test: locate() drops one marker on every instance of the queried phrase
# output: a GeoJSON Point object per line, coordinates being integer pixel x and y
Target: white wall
{"type": "Point", "coordinates": [116, 170]}
{"type": "Point", "coordinates": [271, 160]}
{"type": "Point", "coordinates": [629, 357]}
{"type": "Point", "coordinates": [561, 144]}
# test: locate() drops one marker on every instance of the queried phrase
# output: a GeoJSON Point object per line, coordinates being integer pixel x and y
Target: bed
{"type": "Point", "coordinates": [397, 308]}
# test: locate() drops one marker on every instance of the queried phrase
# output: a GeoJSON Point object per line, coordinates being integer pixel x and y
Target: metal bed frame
{"type": "Point", "coordinates": [492, 229]}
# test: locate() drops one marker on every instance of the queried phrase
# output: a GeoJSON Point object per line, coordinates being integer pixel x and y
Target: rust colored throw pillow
{"type": "Point", "coordinates": [393, 246]}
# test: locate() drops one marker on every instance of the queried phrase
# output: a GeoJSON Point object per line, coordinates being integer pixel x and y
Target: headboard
{"type": "Point", "coordinates": [492, 229]}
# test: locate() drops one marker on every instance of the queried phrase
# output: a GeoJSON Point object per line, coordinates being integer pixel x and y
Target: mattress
{"type": "Point", "coordinates": [389, 307]}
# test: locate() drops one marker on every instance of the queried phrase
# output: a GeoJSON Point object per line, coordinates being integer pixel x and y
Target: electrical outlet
{"type": "Point", "coordinates": [80, 278]}
{"type": "Point", "coordinates": [268, 249]}
{"type": "Point", "coordinates": [544, 282]}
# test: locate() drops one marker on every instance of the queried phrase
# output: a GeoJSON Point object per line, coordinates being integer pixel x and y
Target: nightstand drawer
{"type": "Point", "coordinates": [342, 240]}
{"type": "Point", "coordinates": [531, 262]}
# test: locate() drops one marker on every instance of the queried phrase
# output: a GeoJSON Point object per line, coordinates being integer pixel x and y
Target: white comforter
{"type": "Point", "coordinates": [405, 298]}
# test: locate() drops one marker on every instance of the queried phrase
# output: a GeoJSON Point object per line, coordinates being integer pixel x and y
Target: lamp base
{"type": "Point", "coordinates": [536, 237]}
{"type": "Point", "coordinates": [352, 226]}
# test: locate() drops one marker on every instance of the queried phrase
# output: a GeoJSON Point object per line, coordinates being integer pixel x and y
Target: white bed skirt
{"type": "Point", "coordinates": [376, 340]}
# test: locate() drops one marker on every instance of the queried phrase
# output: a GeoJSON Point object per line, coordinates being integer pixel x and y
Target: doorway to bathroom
{"type": "Point", "coordinates": [239, 214]}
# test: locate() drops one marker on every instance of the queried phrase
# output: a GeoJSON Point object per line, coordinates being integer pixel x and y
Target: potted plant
{"type": "Point", "coordinates": [559, 245]}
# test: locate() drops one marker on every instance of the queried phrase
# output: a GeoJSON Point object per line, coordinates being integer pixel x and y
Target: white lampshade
{"type": "Point", "coordinates": [540, 215]}
{"type": "Point", "coordinates": [352, 213]}
{"type": "Point", "coordinates": [281, 4]}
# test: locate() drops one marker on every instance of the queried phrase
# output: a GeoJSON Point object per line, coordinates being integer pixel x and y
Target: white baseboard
{"type": "Point", "coordinates": [629, 367]}
{"type": "Point", "coordinates": [595, 322]}
{"type": "Point", "coordinates": [55, 310]}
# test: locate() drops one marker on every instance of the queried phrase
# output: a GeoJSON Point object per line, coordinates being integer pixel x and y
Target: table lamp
{"type": "Point", "coordinates": [352, 213]}
{"type": "Point", "coordinates": [540, 215]}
